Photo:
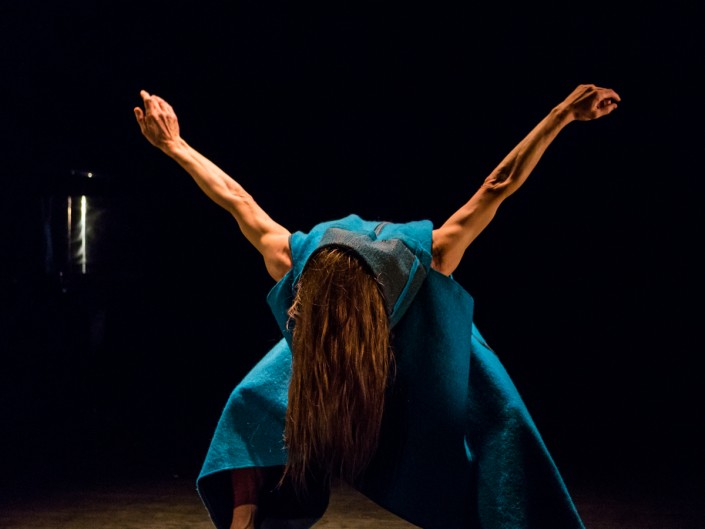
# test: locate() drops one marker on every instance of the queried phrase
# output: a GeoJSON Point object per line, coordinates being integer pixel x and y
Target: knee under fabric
{"type": "Point", "coordinates": [247, 484]}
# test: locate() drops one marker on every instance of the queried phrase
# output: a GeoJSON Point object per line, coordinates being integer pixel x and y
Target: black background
{"type": "Point", "coordinates": [587, 283]}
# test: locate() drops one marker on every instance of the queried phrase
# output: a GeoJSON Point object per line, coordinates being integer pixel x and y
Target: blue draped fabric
{"type": "Point", "coordinates": [458, 447]}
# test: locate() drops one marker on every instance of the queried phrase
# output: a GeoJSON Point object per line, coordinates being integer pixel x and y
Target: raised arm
{"type": "Point", "coordinates": [450, 241]}
{"type": "Point", "coordinates": [160, 126]}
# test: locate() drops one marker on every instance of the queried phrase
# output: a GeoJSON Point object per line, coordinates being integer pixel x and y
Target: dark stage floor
{"type": "Point", "coordinates": [172, 503]}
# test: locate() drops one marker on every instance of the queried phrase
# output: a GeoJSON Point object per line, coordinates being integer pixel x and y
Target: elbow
{"type": "Point", "coordinates": [236, 203]}
{"type": "Point", "coordinates": [505, 179]}
{"type": "Point", "coordinates": [499, 184]}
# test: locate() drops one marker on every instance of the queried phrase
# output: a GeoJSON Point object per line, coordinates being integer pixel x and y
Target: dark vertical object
{"type": "Point", "coordinates": [62, 299]}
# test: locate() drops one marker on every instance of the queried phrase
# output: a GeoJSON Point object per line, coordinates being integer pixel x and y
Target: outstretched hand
{"type": "Point", "coordinates": [158, 121]}
{"type": "Point", "coordinates": [588, 102]}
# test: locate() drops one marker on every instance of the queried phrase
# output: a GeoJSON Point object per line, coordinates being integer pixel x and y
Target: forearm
{"type": "Point", "coordinates": [463, 227]}
{"type": "Point", "coordinates": [586, 102]}
{"type": "Point", "coordinates": [253, 221]}
{"type": "Point", "coordinates": [217, 172]}
{"type": "Point", "coordinates": [516, 167]}
{"type": "Point", "coordinates": [508, 176]}
{"type": "Point", "coordinates": [160, 126]}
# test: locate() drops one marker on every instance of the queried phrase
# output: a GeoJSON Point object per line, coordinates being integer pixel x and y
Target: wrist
{"type": "Point", "coordinates": [562, 114]}
{"type": "Point", "coordinates": [174, 148]}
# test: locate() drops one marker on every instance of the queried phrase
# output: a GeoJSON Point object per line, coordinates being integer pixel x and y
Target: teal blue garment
{"type": "Point", "coordinates": [458, 447]}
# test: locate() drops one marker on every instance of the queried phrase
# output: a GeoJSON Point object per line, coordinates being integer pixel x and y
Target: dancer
{"type": "Point", "coordinates": [381, 377]}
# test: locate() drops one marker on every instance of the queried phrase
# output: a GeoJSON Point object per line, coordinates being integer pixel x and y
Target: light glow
{"type": "Point", "coordinates": [82, 252]}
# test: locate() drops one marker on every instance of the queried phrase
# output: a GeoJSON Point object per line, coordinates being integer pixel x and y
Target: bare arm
{"type": "Point", "coordinates": [450, 241]}
{"type": "Point", "coordinates": [160, 126]}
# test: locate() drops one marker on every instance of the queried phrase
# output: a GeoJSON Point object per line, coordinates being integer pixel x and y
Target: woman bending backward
{"type": "Point", "coordinates": [338, 327]}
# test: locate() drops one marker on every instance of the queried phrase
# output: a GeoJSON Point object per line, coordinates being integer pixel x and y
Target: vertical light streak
{"type": "Point", "coordinates": [69, 234]}
{"type": "Point", "coordinates": [82, 227]}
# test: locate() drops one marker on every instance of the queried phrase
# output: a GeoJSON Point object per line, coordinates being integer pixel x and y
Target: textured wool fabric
{"type": "Point", "coordinates": [458, 447]}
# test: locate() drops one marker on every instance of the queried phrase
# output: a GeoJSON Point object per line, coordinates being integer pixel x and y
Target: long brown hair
{"type": "Point", "coordinates": [341, 363]}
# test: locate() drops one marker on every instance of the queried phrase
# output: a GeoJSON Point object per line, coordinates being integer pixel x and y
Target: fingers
{"type": "Point", "coordinates": [150, 104]}
{"type": "Point", "coordinates": [611, 94]}
{"type": "Point", "coordinates": [153, 103]}
{"type": "Point", "coordinates": [139, 114]}
{"type": "Point", "coordinates": [604, 100]}
{"type": "Point", "coordinates": [608, 100]}
{"type": "Point", "coordinates": [146, 98]}
{"type": "Point", "coordinates": [159, 102]}
{"type": "Point", "coordinates": [608, 93]}
{"type": "Point", "coordinates": [163, 105]}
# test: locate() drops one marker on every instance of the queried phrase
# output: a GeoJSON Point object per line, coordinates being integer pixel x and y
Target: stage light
{"type": "Point", "coordinates": [75, 233]}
